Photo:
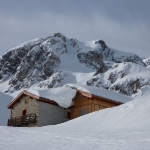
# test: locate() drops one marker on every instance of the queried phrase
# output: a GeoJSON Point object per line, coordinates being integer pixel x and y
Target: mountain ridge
{"type": "Point", "coordinates": [46, 63]}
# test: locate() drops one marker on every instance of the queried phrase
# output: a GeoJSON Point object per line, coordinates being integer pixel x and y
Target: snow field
{"type": "Point", "coordinates": [119, 128]}
{"type": "Point", "coordinates": [44, 140]}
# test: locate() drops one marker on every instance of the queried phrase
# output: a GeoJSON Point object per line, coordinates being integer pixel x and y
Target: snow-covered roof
{"type": "Point", "coordinates": [112, 95]}
{"type": "Point", "coordinates": [61, 95]}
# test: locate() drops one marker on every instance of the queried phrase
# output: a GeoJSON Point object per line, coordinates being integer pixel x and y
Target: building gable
{"type": "Point", "coordinates": [25, 93]}
{"type": "Point", "coordinates": [25, 105]}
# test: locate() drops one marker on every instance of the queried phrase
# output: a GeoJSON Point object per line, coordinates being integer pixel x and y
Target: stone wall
{"type": "Point", "coordinates": [31, 106]}
{"type": "Point", "coordinates": [51, 114]}
{"type": "Point", "coordinates": [47, 114]}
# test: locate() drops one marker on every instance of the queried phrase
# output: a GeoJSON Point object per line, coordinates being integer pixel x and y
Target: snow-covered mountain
{"type": "Point", "coordinates": [56, 61]}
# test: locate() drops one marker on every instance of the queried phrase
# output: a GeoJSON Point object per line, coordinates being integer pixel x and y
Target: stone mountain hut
{"type": "Point", "coordinates": [29, 110]}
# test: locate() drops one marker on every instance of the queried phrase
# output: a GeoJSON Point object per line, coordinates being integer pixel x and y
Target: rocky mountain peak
{"type": "Point", "coordinates": [60, 36]}
{"type": "Point", "coordinates": [46, 63]}
{"type": "Point", "coordinates": [102, 43]}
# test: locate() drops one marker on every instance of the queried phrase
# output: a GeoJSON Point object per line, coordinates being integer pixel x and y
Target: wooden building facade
{"type": "Point", "coordinates": [85, 103]}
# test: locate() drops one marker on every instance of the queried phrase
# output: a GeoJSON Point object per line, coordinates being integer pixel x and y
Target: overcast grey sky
{"type": "Point", "coordinates": [122, 24]}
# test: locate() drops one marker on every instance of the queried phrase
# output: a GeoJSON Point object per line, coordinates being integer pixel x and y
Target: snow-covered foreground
{"type": "Point", "coordinates": [35, 139]}
{"type": "Point", "coordinates": [120, 128]}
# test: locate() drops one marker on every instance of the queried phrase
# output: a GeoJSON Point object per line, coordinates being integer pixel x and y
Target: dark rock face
{"type": "Point", "coordinates": [102, 43]}
{"type": "Point", "coordinates": [111, 55]}
{"type": "Point", "coordinates": [60, 36]}
{"type": "Point", "coordinates": [74, 44]}
{"type": "Point", "coordinates": [134, 59]}
{"type": "Point", "coordinates": [54, 81]}
{"type": "Point", "coordinates": [130, 87]}
{"type": "Point", "coordinates": [12, 59]}
{"type": "Point", "coordinates": [92, 59]}
{"type": "Point", "coordinates": [50, 64]}
{"type": "Point", "coordinates": [33, 61]}
{"type": "Point", "coordinates": [37, 64]}
{"type": "Point", "coordinates": [35, 67]}
{"type": "Point", "coordinates": [103, 68]}
{"type": "Point", "coordinates": [119, 78]}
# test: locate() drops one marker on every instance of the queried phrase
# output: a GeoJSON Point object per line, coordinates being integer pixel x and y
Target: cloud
{"type": "Point", "coordinates": [127, 36]}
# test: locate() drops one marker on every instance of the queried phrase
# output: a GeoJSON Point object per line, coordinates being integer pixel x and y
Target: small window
{"type": "Point", "coordinates": [26, 100]}
{"type": "Point", "coordinates": [83, 112]}
{"type": "Point", "coordinates": [24, 111]}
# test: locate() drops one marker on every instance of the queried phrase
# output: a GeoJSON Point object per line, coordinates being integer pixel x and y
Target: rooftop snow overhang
{"type": "Point", "coordinates": [89, 95]}
{"type": "Point", "coordinates": [25, 93]}
{"type": "Point", "coordinates": [38, 98]}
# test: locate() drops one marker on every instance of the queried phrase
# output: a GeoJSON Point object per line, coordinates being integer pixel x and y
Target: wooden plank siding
{"type": "Point", "coordinates": [91, 104]}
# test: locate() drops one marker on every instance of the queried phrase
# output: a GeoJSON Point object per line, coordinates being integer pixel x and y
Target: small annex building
{"type": "Point", "coordinates": [30, 110]}
{"type": "Point", "coordinates": [85, 103]}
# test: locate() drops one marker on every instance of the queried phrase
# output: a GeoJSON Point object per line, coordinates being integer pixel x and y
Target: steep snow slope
{"type": "Point", "coordinates": [123, 127]}
{"type": "Point", "coordinates": [4, 112]}
{"type": "Point", "coordinates": [57, 60]}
